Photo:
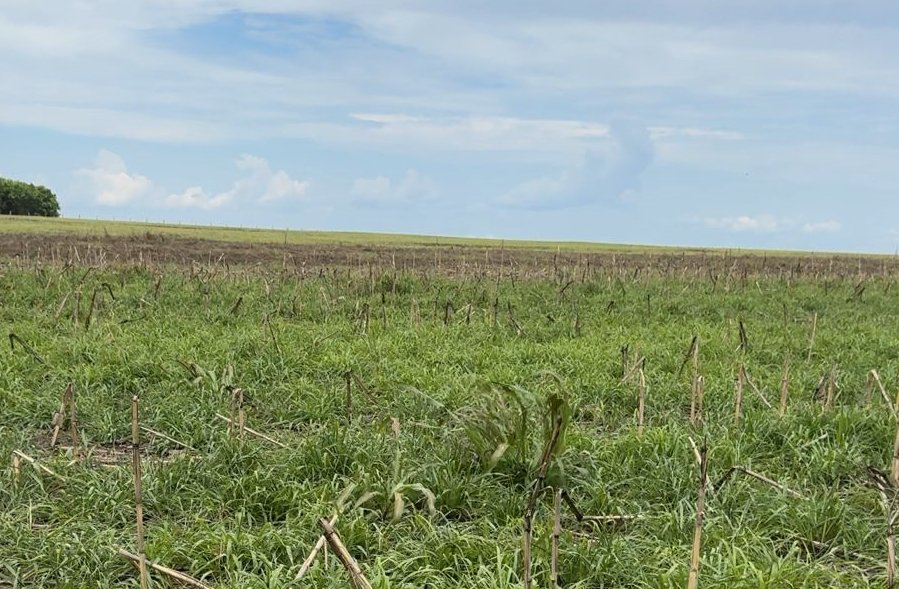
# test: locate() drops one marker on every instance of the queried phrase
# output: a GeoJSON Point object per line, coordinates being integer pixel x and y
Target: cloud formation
{"type": "Point", "coordinates": [610, 177]}
{"type": "Point", "coordinates": [263, 184]}
{"type": "Point", "coordinates": [259, 183]}
{"type": "Point", "coordinates": [757, 223]}
{"type": "Point", "coordinates": [381, 191]}
{"type": "Point", "coordinates": [766, 223]}
{"type": "Point", "coordinates": [196, 197]}
{"type": "Point", "coordinates": [783, 108]}
{"type": "Point", "coordinates": [470, 60]}
{"type": "Point", "coordinates": [822, 227]}
{"type": "Point", "coordinates": [110, 182]}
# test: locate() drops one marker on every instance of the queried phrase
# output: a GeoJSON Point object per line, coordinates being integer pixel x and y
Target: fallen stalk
{"type": "Point", "coordinates": [178, 576]}
{"type": "Point", "coordinates": [874, 378]}
{"type": "Point", "coordinates": [37, 464]}
{"type": "Point", "coordinates": [307, 564]}
{"type": "Point", "coordinates": [638, 365]}
{"type": "Point", "coordinates": [357, 579]}
{"type": "Point", "coordinates": [153, 432]}
{"type": "Point", "coordinates": [580, 517]}
{"type": "Point", "coordinates": [611, 518]}
{"type": "Point", "coordinates": [254, 432]}
{"type": "Point", "coordinates": [14, 339]}
{"type": "Point", "coordinates": [759, 477]}
{"type": "Point", "coordinates": [757, 391]}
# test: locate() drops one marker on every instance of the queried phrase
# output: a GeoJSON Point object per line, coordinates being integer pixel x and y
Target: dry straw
{"type": "Point", "coordinates": [693, 579]}
{"type": "Point", "coordinates": [138, 493]}
{"type": "Point", "coordinates": [253, 432]}
{"type": "Point", "coordinates": [531, 506]}
{"type": "Point", "coordinates": [357, 579]}
{"type": "Point", "coordinates": [178, 576]}
{"type": "Point", "coordinates": [557, 532]}
{"type": "Point", "coordinates": [785, 387]}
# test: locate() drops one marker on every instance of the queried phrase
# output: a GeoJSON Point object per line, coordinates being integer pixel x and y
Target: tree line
{"type": "Point", "coordinates": [22, 198]}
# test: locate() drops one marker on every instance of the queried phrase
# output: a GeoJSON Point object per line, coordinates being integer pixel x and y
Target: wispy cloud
{"type": "Point", "coordinates": [822, 227]}
{"type": "Point", "coordinates": [468, 133]}
{"type": "Point", "coordinates": [756, 223]}
{"type": "Point", "coordinates": [113, 121]}
{"type": "Point", "coordinates": [531, 55]}
{"type": "Point", "coordinates": [758, 108]}
{"type": "Point", "coordinates": [767, 223]}
{"type": "Point", "coordinates": [546, 192]}
{"type": "Point", "coordinates": [600, 177]}
{"type": "Point", "coordinates": [381, 191]}
{"type": "Point", "coordinates": [491, 133]}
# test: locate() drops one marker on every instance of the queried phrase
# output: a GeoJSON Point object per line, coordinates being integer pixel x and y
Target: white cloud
{"type": "Point", "coordinates": [822, 227]}
{"type": "Point", "coordinates": [265, 185]}
{"type": "Point", "coordinates": [658, 133]}
{"type": "Point", "coordinates": [388, 119]}
{"type": "Point", "coordinates": [196, 197]}
{"type": "Point", "coordinates": [725, 57]}
{"type": "Point", "coordinates": [490, 133]}
{"type": "Point", "coordinates": [259, 183]}
{"type": "Point", "coordinates": [110, 182]}
{"type": "Point", "coordinates": [531, 53]}
{"type": "Point", "coordinates": [465, 133]}
{"type": "Point", "coordinates": [757, 223]}
{"type": "Point", "coordinates": [484, 126]}
{"type": "Point", "coordinates": [382, 191]}
{"type": "Point", "coordinates": [532, 84]}
{"type": "Point", "coordinates": [766, 223]}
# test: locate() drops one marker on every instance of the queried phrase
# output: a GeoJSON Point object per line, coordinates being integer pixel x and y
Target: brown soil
{"type": "Point", "coordinates": [104, 454]}
{"type": "Point", "coordinates": [153, 249]}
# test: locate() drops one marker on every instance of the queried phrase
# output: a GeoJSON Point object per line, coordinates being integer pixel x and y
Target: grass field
{"type": "Point", "coordinates": [432, 450]}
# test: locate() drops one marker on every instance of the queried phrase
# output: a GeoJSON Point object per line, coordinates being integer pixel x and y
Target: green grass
{"type": "Point", "coordinates": [96, 227]}
{"type": "Point", "coordinates": [244, 514]}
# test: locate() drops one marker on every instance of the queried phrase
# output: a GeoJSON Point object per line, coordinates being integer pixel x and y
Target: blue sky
{"type": "Point", "coordinates": [689, 122]}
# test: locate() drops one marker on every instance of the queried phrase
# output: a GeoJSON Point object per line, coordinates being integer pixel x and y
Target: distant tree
{"type": "Point", "coordinates": [21, 198]}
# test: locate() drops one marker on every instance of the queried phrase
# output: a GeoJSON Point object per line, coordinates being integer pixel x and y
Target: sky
{"type": "Point", "coordinates": [682, 122]}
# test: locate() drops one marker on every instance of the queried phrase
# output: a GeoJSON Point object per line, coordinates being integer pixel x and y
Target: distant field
{"type": "Point", "coordinates": [94, 227]}
{"type": "Point", "coordinates": [100, 243]}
